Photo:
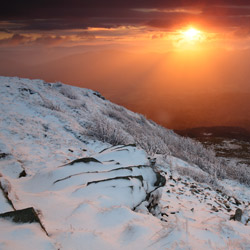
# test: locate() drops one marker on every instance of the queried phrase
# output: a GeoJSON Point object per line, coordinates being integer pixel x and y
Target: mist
{"type": "Point", "coordinates": [176, 89]}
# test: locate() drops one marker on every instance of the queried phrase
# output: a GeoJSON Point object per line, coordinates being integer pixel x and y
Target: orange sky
{"type": "Point", "coordinates": [142, 54]}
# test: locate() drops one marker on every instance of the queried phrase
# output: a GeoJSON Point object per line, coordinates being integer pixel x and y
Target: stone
{"type": "Point", "coordinates": [27, 215]}
{"type": "Point", "coordinates": [237, 216]}
{"type": "Point", "coordinates": [22, 174]}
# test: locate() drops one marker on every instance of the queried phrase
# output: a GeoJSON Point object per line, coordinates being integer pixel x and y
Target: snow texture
{"type": "Point", "coordinates": [90, 194]}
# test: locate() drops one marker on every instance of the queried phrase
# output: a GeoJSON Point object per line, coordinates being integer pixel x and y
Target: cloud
{"type": "Point", "coordinates": [51, 20]}
{"type": "Point", "coordinates": [16, 39]}
{"type": "Point", "coordinates": [4, 30]}
{"type": "Point", "coordinates": [49, 40]}
{"type": "Point", "coordinates": [28, 39]}
{"type": "Point", "coordinates": [157, 36]}
{"type": "Point", "coordinates": [75, 14]}
{"type": "Point", "coordinates": [86, 35]}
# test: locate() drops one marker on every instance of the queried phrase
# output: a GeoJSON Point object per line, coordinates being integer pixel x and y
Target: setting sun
{"type": "Point", "coordinates": [191, 34]}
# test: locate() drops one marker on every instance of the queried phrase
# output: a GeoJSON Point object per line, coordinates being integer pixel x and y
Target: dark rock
{"type": "Point", "coordinates": [248, 220]}
{"type": "Point", "coordinates": [22, 174]}
{"type": "Point", "coordinates": [84, 160]}
{"type": "Point", "coordinates": [160, 180]}
{"type": "Point", "coordinates": [3, 155]}
{"type": "Point", "coordinates": [237, 216]}
{"type": "Point", "coordinates": [6, 195]}
{"type": "Point", "coordinates": [99, 95]}
{"type": "Point", "coordinates": [237, 202]}
{"type": "Point", "coordinates": [27, 215]}
{"type": "Point", "coordinates": [70, 150]}
{"type": "Point", "coordinates": [139, 177]}
{"type": "Point", "coordinates": [152, 162]}
{"type": "Point", "coordinates": [164, 214]}
{"type": "Point", "coordinates": [193, 186]}
{"type": "Point", "coordinates": [194, 191]}
{"type": "Point", "coordinates": [31, 92]}
{"type": "Point", "coordinates": [163, 220]}
{"type": "Point", "coordinates": [215, 209]}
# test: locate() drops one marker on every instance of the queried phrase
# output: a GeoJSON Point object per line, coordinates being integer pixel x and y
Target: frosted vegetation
{"type": "Point", "coordinates": [79, 172]}
{"type": "Point", "coordinates": [116, 125]}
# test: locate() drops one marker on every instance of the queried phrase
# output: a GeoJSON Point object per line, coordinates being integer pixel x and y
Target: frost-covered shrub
{"type": "Point", "coordinates": [196, 175]}
{"type": "Point", "coordinates": [57, 84]}
{"type": "Point", "coordinates": [142, 120]}
{"type": "Point", "coordinates": [240, 173]}
{"type": "Point", "coordinates": [115, 115]}
{"type": "Point", "coordinates": [118, 113]}
{"type": "Point", "coordinates": [107, 131]}
{"type": "Point", "coordinates": [147, 139]}
{"type": "Point", "coordinates": [50, 105]}
{"type": "Point", "coordinates": [116, 125]}
{"type": "Point", "coordinates": [68, 92]}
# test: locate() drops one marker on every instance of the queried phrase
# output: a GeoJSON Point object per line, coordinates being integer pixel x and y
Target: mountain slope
{"type": "Point", "coordinates": [56, 157]}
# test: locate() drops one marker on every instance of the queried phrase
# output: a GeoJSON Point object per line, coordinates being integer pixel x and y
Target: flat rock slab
{"type": "Point", "coordinates": [27, 215]}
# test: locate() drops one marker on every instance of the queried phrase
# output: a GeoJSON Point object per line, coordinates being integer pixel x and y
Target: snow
{"type": "Point", "coordinates": [102, 203]}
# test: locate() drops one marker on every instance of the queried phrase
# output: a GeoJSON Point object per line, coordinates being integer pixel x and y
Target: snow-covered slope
{"type": "Point", "coordinates": [56, 157]}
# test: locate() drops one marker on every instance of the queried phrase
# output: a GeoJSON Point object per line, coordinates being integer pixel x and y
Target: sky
{"type": "Point", "coordinates": [74, 23]}
{"type": "Point", "coordinates": [181, 63]}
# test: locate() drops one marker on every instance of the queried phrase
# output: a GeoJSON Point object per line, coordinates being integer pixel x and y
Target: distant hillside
{"type": "Point", "coordinates": [228, 142]}
{"type": "Point", "coordinates": [220, 131]}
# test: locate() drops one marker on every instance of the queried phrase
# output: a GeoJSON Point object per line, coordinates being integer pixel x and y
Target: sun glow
{"type": "Point", "coordinates": [191, 35]}
{"type": "Point", "coordinates": [190, 38]}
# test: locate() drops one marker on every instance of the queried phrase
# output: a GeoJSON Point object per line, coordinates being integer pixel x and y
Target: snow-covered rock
{"type": "Point", "coordinates": [89, 194]}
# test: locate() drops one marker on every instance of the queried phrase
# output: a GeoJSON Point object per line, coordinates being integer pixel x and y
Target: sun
{"type": "Point", "coordinates": [191, 34]}
{"type": "Point", "coordinates": [190, 37]}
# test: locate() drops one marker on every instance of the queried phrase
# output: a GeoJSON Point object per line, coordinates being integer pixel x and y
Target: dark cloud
{"type": "Point", "coordinates": [80, 14]}
{"type": "Point", "coordinates": [45, 40]}
{"type": "Point", "coordinates": [227, 10]}
{"type": "Point", "coordinates": [86, 35]}
{"type": "Point", "coordinates": [5, 30]}
{"type": "Point", "coordinates": [49, 40]}
{"type": "Point", "coordinates": [16, 39]}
